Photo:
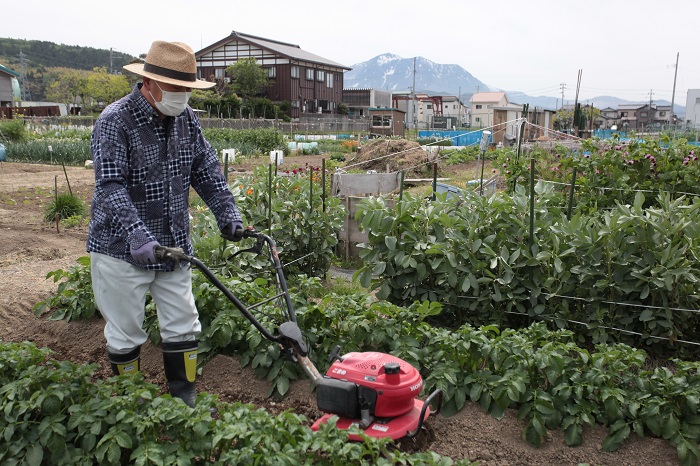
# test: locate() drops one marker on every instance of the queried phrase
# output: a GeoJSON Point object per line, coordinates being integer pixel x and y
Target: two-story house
{"type": "Point", "coordinates": [312, 84]}
{"type": "Point", "coordinates": [482, 108]}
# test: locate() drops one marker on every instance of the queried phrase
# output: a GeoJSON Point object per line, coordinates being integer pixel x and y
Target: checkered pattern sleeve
{"type": "Point", "coordinates": [110, 149]}
{"type": "Point", "coordinates": [209, 181]}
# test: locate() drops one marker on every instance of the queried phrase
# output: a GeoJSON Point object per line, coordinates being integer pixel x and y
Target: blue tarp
{"type": "Point", "coordinates": [459, 138]}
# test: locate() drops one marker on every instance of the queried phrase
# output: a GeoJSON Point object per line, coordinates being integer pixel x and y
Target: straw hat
{"type": "Point", "coordinates": [170, 63]}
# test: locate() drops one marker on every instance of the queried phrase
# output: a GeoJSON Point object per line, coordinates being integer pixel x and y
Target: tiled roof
{"type": "Point", "coordinates": [282, 48]}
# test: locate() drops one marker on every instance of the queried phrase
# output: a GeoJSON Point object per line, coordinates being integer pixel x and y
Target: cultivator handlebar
{"type": "Point", "coordinates": [290, 336]}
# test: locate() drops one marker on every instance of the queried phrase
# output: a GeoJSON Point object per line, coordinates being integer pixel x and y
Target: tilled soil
{"type": "Point", "coordinates": [31, 248]}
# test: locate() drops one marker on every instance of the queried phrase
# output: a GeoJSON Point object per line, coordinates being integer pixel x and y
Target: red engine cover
{"type": "Point", "coordinates": [395, 392]}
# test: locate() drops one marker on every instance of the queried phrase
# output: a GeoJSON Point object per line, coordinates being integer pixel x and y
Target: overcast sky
{"type": "Point", "coordinates": [626, 48]}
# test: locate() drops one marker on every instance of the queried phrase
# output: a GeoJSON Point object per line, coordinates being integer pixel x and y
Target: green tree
{"type": "Point", "coordinates": [66, 86]}
{"type": "Point", "coordinates": [249, 78]}
{"type": "Point", "coordinates": [219, 104]}
{"type": "Point", "coordinates": [104, 88]}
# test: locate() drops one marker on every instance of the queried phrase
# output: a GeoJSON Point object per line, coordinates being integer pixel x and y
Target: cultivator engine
{"type": "Point", "coordinates": [376, 392]}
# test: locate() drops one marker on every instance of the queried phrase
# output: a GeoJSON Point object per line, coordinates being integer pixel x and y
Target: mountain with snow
{"type": "Point", "coordinates": [392, 73]}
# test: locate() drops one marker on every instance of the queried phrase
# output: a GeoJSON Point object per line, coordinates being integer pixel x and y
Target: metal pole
{"type": "Point", "coordinates": [435, 170]}
{"type": "Point", "coordinates": [532, 202]}
{"type": "Point", "coordinates": [401, 186]}
{"type": "Point", "coordinates": [323, 183]}
{"type": "Point", "coordinates": [311, 208]}
{"type": "Point", "coordinates": [485, 136]}
{"type": "Point", "coordinates": [225, 166]}
{"type": "Point", "coordinates": [269, 201]}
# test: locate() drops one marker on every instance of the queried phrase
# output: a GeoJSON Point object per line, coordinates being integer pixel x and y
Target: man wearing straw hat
{"type": "Point", "coordinates": [148, 149]}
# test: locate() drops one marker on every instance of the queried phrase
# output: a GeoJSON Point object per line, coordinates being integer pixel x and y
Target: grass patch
{"type": "Point", "coordinates": [65, 206]}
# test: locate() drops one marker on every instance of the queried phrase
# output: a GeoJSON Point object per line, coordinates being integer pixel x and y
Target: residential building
{"type": "Point", "coordinates": [425, 111]}
{"type": "Point", "coordinates": [628, 116]}
{"type": "Point", "coordinates": [608, 118]}
{"type": "Point", "coordinates": [359, 101]}
{"type": "Point", "coordinates": [8, 86]}
{"type": "Point", "coordinates": [454, 112]}
{"type": "Point", "coordinates": [692, 108]}
{"type": "Point", "coordinates": [482, 108]}
{"type": "Point", "coordinates": [312, 84]}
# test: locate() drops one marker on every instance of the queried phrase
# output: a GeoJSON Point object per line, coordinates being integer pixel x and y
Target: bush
{"type": "Point", "coordinates": [13, 130]}
{"type": "Point", "coordinates": [65, 206]}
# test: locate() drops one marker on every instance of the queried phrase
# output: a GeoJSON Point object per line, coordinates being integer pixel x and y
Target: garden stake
{"type": "Point", "coordinates": [521, 132]}
{"type": "Point", "coordinates": [269, 202]}
{"type": "Point", "coordinates": [226, 166]}
{"type": "Point", "coordinates": [485, 136]}
{"type": "Point", "coordinates": [401, 186]}
{"type": "Point", "coordinates": [571, 194]}
{"type": "Point", "coordinates": [311, 207]}
{"type": "Point", "coordinates": [66, 174]}
{"type": "Point", "coordinates": [434, 179]}
{"type": "Point", "coordinates": [323, 184]}
{"type": "Point", "coordinates": [276, 162]}
{"type": "Point", "coordinates": [532, 208]}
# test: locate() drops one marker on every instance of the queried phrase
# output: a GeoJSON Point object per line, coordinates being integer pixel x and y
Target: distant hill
{"type": "Point", "coordinates": [393, 73]}
{"type": "Point", "coordinates": [41, 56]}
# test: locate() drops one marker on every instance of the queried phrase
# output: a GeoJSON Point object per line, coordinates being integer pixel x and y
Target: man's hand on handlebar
{"type": "Point", "coordinates": [232, 232]}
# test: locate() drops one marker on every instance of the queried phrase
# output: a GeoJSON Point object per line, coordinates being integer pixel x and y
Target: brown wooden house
{"type": "Point", "coordinates": [311, 84]}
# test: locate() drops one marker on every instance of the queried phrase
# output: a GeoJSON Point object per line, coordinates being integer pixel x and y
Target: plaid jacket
{"type": "Point", "coordinates": [144, 167]}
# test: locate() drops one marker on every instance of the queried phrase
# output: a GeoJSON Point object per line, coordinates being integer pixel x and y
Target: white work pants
{"type": "Point", "coordinates": [120, 294]}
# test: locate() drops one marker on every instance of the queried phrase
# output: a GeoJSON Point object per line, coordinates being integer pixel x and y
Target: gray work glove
{"type": "Point", "coordinates": [232, 232]}
{"type": "Point", "coordinates": [146, 254]}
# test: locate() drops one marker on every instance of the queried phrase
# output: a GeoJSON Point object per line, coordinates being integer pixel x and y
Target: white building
{"type": "Point", "coordinates": [692, 108]}
{"type": "Point", "coordinates": [483, 104]}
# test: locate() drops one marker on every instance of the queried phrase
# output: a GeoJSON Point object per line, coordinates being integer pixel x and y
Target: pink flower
{"type": "Point", "coordinates": [505, 165]}
{"type": "Point", "coordinates": [631, 162]}
{"type": "Point", "coordinates": [588, 156]}
{"type": "Point", "coordinates": [507, 172]}
{"type": "Point", "coordinates": [597, 172]}
{"type": "Point", "coordinates": [618, 147]}
{"type": "Point", "coordinates": [685, 161]}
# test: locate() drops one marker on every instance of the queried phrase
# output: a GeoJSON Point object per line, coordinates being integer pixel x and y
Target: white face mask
{"type": "Point", "coordinates": [171, 103]}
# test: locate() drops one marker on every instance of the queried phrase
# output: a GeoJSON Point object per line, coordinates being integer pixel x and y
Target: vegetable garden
{"type": "Point", "coordinates": [574, 311]}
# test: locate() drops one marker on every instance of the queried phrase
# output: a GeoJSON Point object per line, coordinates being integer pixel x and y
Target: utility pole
{"type": "Point", "coordinates": [415, 117]}
{"type": "Point", "coordinates": [673, 94]}
{"type": "Point", "coordinates": [563, 86]}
